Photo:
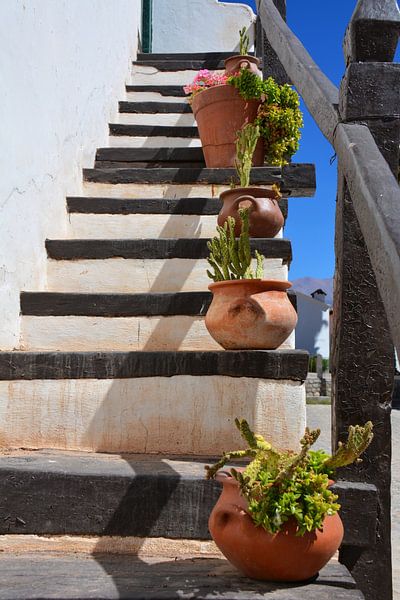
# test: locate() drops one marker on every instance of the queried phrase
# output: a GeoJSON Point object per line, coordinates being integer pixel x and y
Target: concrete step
{"type": "Point", "coordinates": [126, 206]}
{"type": "Point", "coordinates": [157, 141]}
{"type": "Point", "coordinates": [126, 275]}
{"type": "Point", "coordinates": [144, 74]}
{"type": "Point", "coordinates": [68, 576]}
{"type": "Point", "coordinates": [177, 119]}
{"type": "Point", "coordinates": [150, 402]}
{"type": "Point", "coordinates": [295, 179]}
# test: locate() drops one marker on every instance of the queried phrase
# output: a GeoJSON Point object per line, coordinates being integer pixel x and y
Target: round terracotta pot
{"type": "Point", "coordinates": [258, 554]}
{"type": "Point", "coordinates": [250, 314]}
{"type": "Point", "coordinates": [220, 113]}
{"type": "Point", "coordinates": [233, 64]}
{"type": "Point", "coordinates": [266, 218]}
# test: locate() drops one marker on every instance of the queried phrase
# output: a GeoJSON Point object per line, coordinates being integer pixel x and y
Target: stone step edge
{"type": "Point", "coordinates": [173, 66]}
{"type": "Point", "coordinates": [109, 491]}
{"type": "Point", "coordinates": [163, 90]}
{"type": "Point", "coordinates": [125, 206]}
{"type": "Point", "coordinates": [150, 154]}
{"type": "Point", "coordinates": [117, 305]}
{"type": "Point", "coordinates": [179, 131]}
{"type": "Point", "coordinates": [157, 248]}
{"type": "Point", "coordinates": [259, 364]}
{"type": "Point", "coordinates": [295, 179]}
{"type": "Point", "coordinates": [148, 107]}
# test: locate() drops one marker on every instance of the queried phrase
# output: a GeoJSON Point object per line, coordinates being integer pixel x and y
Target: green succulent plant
{"type": "Point", "coordinates": [246, 142]}
{"type": "Point", "coordinates": [230, 257]}
{"type": "Point", "coordinates": [244, 42]}
{"type": "Point", "coordinates": [280, 485]}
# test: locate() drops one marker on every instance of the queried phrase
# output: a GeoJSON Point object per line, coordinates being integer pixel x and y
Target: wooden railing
{"type": "Point", "coordinates": [362, 122]}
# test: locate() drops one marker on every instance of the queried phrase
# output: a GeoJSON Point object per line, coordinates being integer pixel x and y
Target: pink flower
{"type": "Point", "coordinates": [204, 80]}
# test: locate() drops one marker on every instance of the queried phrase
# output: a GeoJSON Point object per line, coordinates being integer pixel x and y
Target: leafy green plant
{"type": "Point", "coordinates": [246, 142]}
{"type": "Point", "coordinates": [279, 116]}
{"type": "Point", "coordinates": [230, 257]}
{"type": "Point", "coordinates": [280, 485]}
{"type": "Point", "coordinates": [244, 42]}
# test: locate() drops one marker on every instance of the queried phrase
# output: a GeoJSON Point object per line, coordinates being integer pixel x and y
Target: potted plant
{"type": "Point", "coordinates": [265, 216]}
{"type": "Point", "coordinates": [277, 519]}
{"type": "Point", "coordinates": [246, 312]}
{"type": "Point", "coordinates": [222, 104]}
{"type": "Point", "coordinates": [243, 59]}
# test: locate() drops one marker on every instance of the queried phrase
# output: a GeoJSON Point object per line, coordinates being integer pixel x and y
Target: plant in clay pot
{"type": "Point", "coordinates": [246, 312]}
{"type": "Point", "coordinates": [277, 518]}
{"type": "Point", "coordinates": [265, 216]}
{"type": "Point", "coordinates": [221, 109]}
{"type": "Point", "coordinates": [243, 59]}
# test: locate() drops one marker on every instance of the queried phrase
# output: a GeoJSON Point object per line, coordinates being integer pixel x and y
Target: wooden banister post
{"type": "Point", "coordinates": [362, 350]}
{"type": "Point", "coordinates": [272, 66]}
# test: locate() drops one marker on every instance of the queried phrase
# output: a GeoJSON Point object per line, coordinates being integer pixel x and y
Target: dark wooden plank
{"type": "Point", "coordinates": [109, 491]}
{"type": "Point", "coordinates": [154, 130]}
{"type": "Point", "coordinates": [181, 65]}
{"type": "Point", "coordinates": [125, 206]}
{"type": "Point", "coordinates": [294, 179]}
{"type": "Point", "coordinates": [164, 90]}
{"type": "Point", "coordinates": [150, 154]}
{"type": "Point", "coordinates": [155, 248]}
{"type": "Point", "coordinates": [263, 364]}
{"type": "Point", "coordinates": [317, 91]}
{"type": "Point", "coordinates": [154, 107]}
{"type": "Point", "coordinates": [184, 56]}
{"type": "Point", "coordinates": [118, 305]}
{"type": "Point", "coordinates": [359, 510]}
{"type": "Point", "coordinates": [373, 31]}
{"type": "Point", "coordinates": [80, 577]}
{"type": "Point", "coordinates": [272, 66]}
{"type": "Point", "coordinates": [115, 305]}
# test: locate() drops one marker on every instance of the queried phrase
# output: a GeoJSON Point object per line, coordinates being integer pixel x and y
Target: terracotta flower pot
{"type": "Point", "coordinates": [266, 218]}
{"type": "Point", "coordinates": [250, 314]}
{"type": "Point", "coordinates": [220, 113]}
{"type": "Point", "coordinates": [233, 64]}
{"type": "Point", "coordinates": [282, 556]}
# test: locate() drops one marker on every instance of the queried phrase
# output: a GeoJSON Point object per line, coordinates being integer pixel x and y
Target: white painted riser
{"type": "Point", "coordinates": [127, 141]}
{"type": "Point", "coordinates": [152, 97]}
{"type": "Point", "coordinates": [142, 75]}
{"type": "Point", "coordinates": [152, 190]}
{"type": "Point", "coordinates": [119, 275]}
{"type": "Point", "coordinates": [91, 226]}
{"type": "Point", "coordinates": [171, 415]}
{"type": "Point", "coordinates": [182, 119]}
{"type": "Point", "coordinates": [72, 333]}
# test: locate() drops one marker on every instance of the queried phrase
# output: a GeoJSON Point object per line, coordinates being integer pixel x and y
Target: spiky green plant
{"type": "Point", "coordinates": [244, 42]}
{"type": "Point", "coordinates": [246, 142]}
{"type": "Point", "coordinates": [230, 257]}
{"type": "Point", "coordinates": [279, 485]}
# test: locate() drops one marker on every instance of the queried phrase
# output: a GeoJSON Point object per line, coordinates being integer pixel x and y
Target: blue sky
{"type": "Point", "coordinates": [320, 26]}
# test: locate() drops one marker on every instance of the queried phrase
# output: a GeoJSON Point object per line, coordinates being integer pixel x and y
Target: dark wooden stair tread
{"type": "Point", "coordinates": [173, 206]}
{"type": "Point", "coordinates": [164, 90]}
{"type": "Point", "coordinates": [154, 107]}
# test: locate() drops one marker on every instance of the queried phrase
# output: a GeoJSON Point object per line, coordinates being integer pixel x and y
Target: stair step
{"type": "Point", "coordinates": [295, 179]}
{"type": "Point", "coordinates": [147, 74]}
{"type": "Point", "coordinates": [126, 275]}
{"type": "Point", "coordinates": [174, 56]}
{"type": "Point", "coordinates": [154, 157]}
{"type": "Point", "coordinates": [154, 248]}
{"type": "Point", "coordinates": [173, 119]}
{"type": "Point", "coordinates": [154, 107]}
{"type": "Point", "coordinates": [137, 495]}
{"type": "Point", "coordinates": [67, 576]}
{"type": "Point", "coordinates": [163, 90]}
{"type": "Point", "coordinates": [176, 131]}
{"type": "Point", "coordinates": [263, 364]}
{"type": "Point", "coordinates": [115, 305]}
{"type": "Point", "coordinates": [128, 206]}
{"type": "Point", "coordinates": [187, 64]}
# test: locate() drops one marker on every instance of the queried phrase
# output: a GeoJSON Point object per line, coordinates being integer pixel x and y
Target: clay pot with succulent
{"type": "Point", "coordinates": [277, 519]}
{"type": "Point", "coordinates": [247, 311]}
{"type": "Point", "coordinates": [243, 60]}
{"type": "Point", "coordinates": [265, 216]}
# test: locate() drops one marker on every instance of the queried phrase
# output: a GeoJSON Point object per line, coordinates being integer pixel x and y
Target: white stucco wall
{"type": "Point", "coordinates": [63, 65]}
{"type": "Point", "coordinates": [199, 25]}
{"type": "Point", "coordinates": [312, 330]}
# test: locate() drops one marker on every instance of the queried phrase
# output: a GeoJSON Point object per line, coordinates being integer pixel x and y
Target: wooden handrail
{"type": "Point", "coordinates": [374, 189]}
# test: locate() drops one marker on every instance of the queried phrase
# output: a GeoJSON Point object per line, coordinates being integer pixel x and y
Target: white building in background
{"type": "Point", "coordinates": [312, 331]}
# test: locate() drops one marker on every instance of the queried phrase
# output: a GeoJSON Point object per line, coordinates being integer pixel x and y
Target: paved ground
{"type": "Point", "coordinates": [319, 416]}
